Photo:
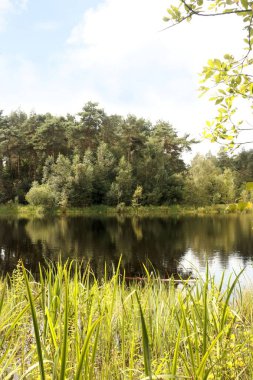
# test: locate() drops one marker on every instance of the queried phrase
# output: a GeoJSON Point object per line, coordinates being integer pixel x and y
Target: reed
{"type": "Point", "coordinates": [69, 325]}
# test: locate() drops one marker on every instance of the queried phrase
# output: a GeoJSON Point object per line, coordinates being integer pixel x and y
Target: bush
{"type": "Point", "coordinates": [242, 206]}
{"type": "Point", "coordinates": [231, 208]}
{"type": "Point", "coordinates": [121, 207]}
{"type": "Point", "coordinates": [41, 195]}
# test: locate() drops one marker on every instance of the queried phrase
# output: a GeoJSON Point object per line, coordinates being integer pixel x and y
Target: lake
{"type": "Point", "coordinates": [172, 244]}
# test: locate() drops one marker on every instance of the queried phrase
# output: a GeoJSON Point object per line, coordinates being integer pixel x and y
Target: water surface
{"type": "Point", "coordinates": [170, 244]}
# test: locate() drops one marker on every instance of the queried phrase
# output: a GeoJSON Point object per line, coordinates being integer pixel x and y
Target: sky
{"type": "Point", "coordinates": [55, 55]}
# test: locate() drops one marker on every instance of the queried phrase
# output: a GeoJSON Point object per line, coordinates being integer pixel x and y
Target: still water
{"type": "Point", "coordinates": [171, 244]}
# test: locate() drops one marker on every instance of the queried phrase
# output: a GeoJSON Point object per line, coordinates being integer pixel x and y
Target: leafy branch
{"type": "Point", "coordinates": [231, 78]}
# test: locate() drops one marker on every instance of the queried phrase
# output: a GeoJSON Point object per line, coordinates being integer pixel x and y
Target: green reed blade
{"type": "Point", "coordinates": [230, 290]}
{"type": "Point", "coordinates": [11, 328]}
{"type": "Point", "coordinates": [65, 329]}
{"type": "Point", "coordinates": [94, 349]}
{"type": "Point", "coordinates": [201, 368]}
{"type": "Point", "coordinates": [31, 368]}
{"type": "Point", "coordinates": [51, 328]}
{"type": "Point", "coordinates": [187, 330]}
{"type": "Point", "coordinates": [205, 292]}
{"type": "Point", "coordinates": [2, 295]}
{"type": "Point", "coordinates": [9, 354]}
{"type": "Point", "coordinates": [85, 349]}
{"type": "Point", "coordinates": [145, 341]}
{"type": "Point", "coordinates": [176, 352]}
{"type": "Point", "coordinates": [35, 325]}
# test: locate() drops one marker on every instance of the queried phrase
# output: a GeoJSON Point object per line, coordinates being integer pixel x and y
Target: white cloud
{"type": "Point", "coordinates": [19, 83]}
{"type": "Point", "coordinates": [22, 3]}
{"type": "Point", "coordinates": [119, 49]}
{"type": "Point", "coordinates": [116, 55]}
{"type": "Point", "coordinates": [119, 28]}
{"type": "Point", "coordinates": [7, 6]}
{"type": "Point", "coordinates": [47, 26]}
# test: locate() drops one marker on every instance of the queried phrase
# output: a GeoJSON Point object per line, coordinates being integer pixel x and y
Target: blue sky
{"type": "Point", "coordinates": [55, 55]}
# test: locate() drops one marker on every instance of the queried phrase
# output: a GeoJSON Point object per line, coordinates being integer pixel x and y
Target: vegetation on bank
{"type": "Point", "coordinates": [92, 159]}
{"type": "Point", "coordinates": [28, 211]}
{"type": "Point", "coordinates": [67, 325]}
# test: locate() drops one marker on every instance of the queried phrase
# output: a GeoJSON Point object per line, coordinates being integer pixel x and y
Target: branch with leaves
{"type": "Point", "coordinates": [232, 78]}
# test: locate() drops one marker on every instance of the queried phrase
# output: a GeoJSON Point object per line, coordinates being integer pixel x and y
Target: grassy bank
{"type": "Point", "coordinates": [69, 326]}
{"type": "Point", "coordinates": [27, 211]}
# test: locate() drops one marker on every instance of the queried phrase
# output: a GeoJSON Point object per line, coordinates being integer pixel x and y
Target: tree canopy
{"type": "Point", "coordinates": [231, 76]}
{"type": "Point", "coordinates": [89, 158]}
{"type": "Point", "coordinates": [94, 158]}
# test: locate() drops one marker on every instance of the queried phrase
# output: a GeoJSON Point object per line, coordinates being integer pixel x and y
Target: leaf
{"type": "Point", "coordinates": [2, 295]}
{"type": "Point", "coordinates": [244, 3]}
{"type": "Point", "coordinates": [200, 371]}
{"type": "Point", "coordinates": [145, 340]}
{"type": "Point", "coordinates": [249, 186]}
{"type": "Point", "coordinates": [65, 329]}
{"type": "Point", "coordinates": [176, 351]}
{"type": "Point", "coordinates": [219, 100]}
{"type": "Point", "coordinates": [238, 79]}
{"type": "Point", "coordinates": [85, 349]}
{"type": "Point", "coordinates": [35, 326]}
{"type": "Point", "coordinates": [228, 57]}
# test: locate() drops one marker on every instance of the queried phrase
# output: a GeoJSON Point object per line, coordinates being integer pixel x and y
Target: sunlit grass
{"type": "Point", "coordinates": [67, 325]}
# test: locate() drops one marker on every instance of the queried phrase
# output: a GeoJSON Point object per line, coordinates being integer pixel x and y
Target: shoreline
{"type": "Point", "coordinates": [23, 211]}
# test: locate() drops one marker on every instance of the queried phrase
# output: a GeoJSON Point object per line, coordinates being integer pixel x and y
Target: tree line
{"type": "Point", "coordinates": [94, 158]}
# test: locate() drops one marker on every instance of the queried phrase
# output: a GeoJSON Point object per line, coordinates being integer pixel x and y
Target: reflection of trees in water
{"type": "Point", "coordinates": [53, 233]}
{"type": "Point", "coordinates": [15, 245]}
{"type": "Point", "coordinates": [163, 241]}
{"type": "Point", "coordinates": [137, 228]}
{"type": "Point", "coordinates": [210, 237]}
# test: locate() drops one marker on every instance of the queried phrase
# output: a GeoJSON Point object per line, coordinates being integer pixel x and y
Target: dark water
{"type": "Point", "coordinates": [171, 244]}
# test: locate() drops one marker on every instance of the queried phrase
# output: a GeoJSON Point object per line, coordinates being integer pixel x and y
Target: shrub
{"type": "Point", "coordinates": [121, 207]}
{"type": "Point", "coordinates": [231, 208]}
{"type": "Point", "coordinates": [41, 195]}
{"type": "Point", "coordinates": [242, 206]}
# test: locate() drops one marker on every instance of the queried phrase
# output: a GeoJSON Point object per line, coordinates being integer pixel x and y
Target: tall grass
{"type": "Point", "coordinates": [67, 325]}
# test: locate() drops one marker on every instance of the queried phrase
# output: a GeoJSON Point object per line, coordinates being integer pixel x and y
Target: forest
{"type": "Point", "coordinates": [93, 158]}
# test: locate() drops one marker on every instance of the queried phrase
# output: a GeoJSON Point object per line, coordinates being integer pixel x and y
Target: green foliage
{"type": "Point", "coordinates": [242, 206]}
{"type": "Point", "coordinates": [36, 326]}
{"type": "Point", "coordinates": [95, 159]}
{"type": "Point", "coordinates": [59, 178]}
{"type": "Point", "coordinates": [246, 196]}
{"type": "Point", "coordinates": [249, 186]}
{"type": "Point", "coordinates": [228, 192]}
{"type": "Point", "coordinates": [41, 195]}
{"type": "Point", "coordinates": [85, 134]}
{"type": "Point", "coordinates": [103, 173]}
{"type": "Point", "coordinates": [230, 76]}
{"type": "Point", "coordinates": [137, 196]}
{"type": "Point", "coordinates": [80, 157]}
{"type": "Point", "coordinates": [121, 207]}
{"type": "Point", "coordinates": [124, 181]}
{"type": "Point", "coordinates": [67, 325]}
{"type": "Point", "coordinates": [114, 194]}
{"type": "Point", "coordinates": [206, 184]}
{"type": "Point", "coordinates": [232, 208]}
{"type": "Point", "coordinates": [81, 182]}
